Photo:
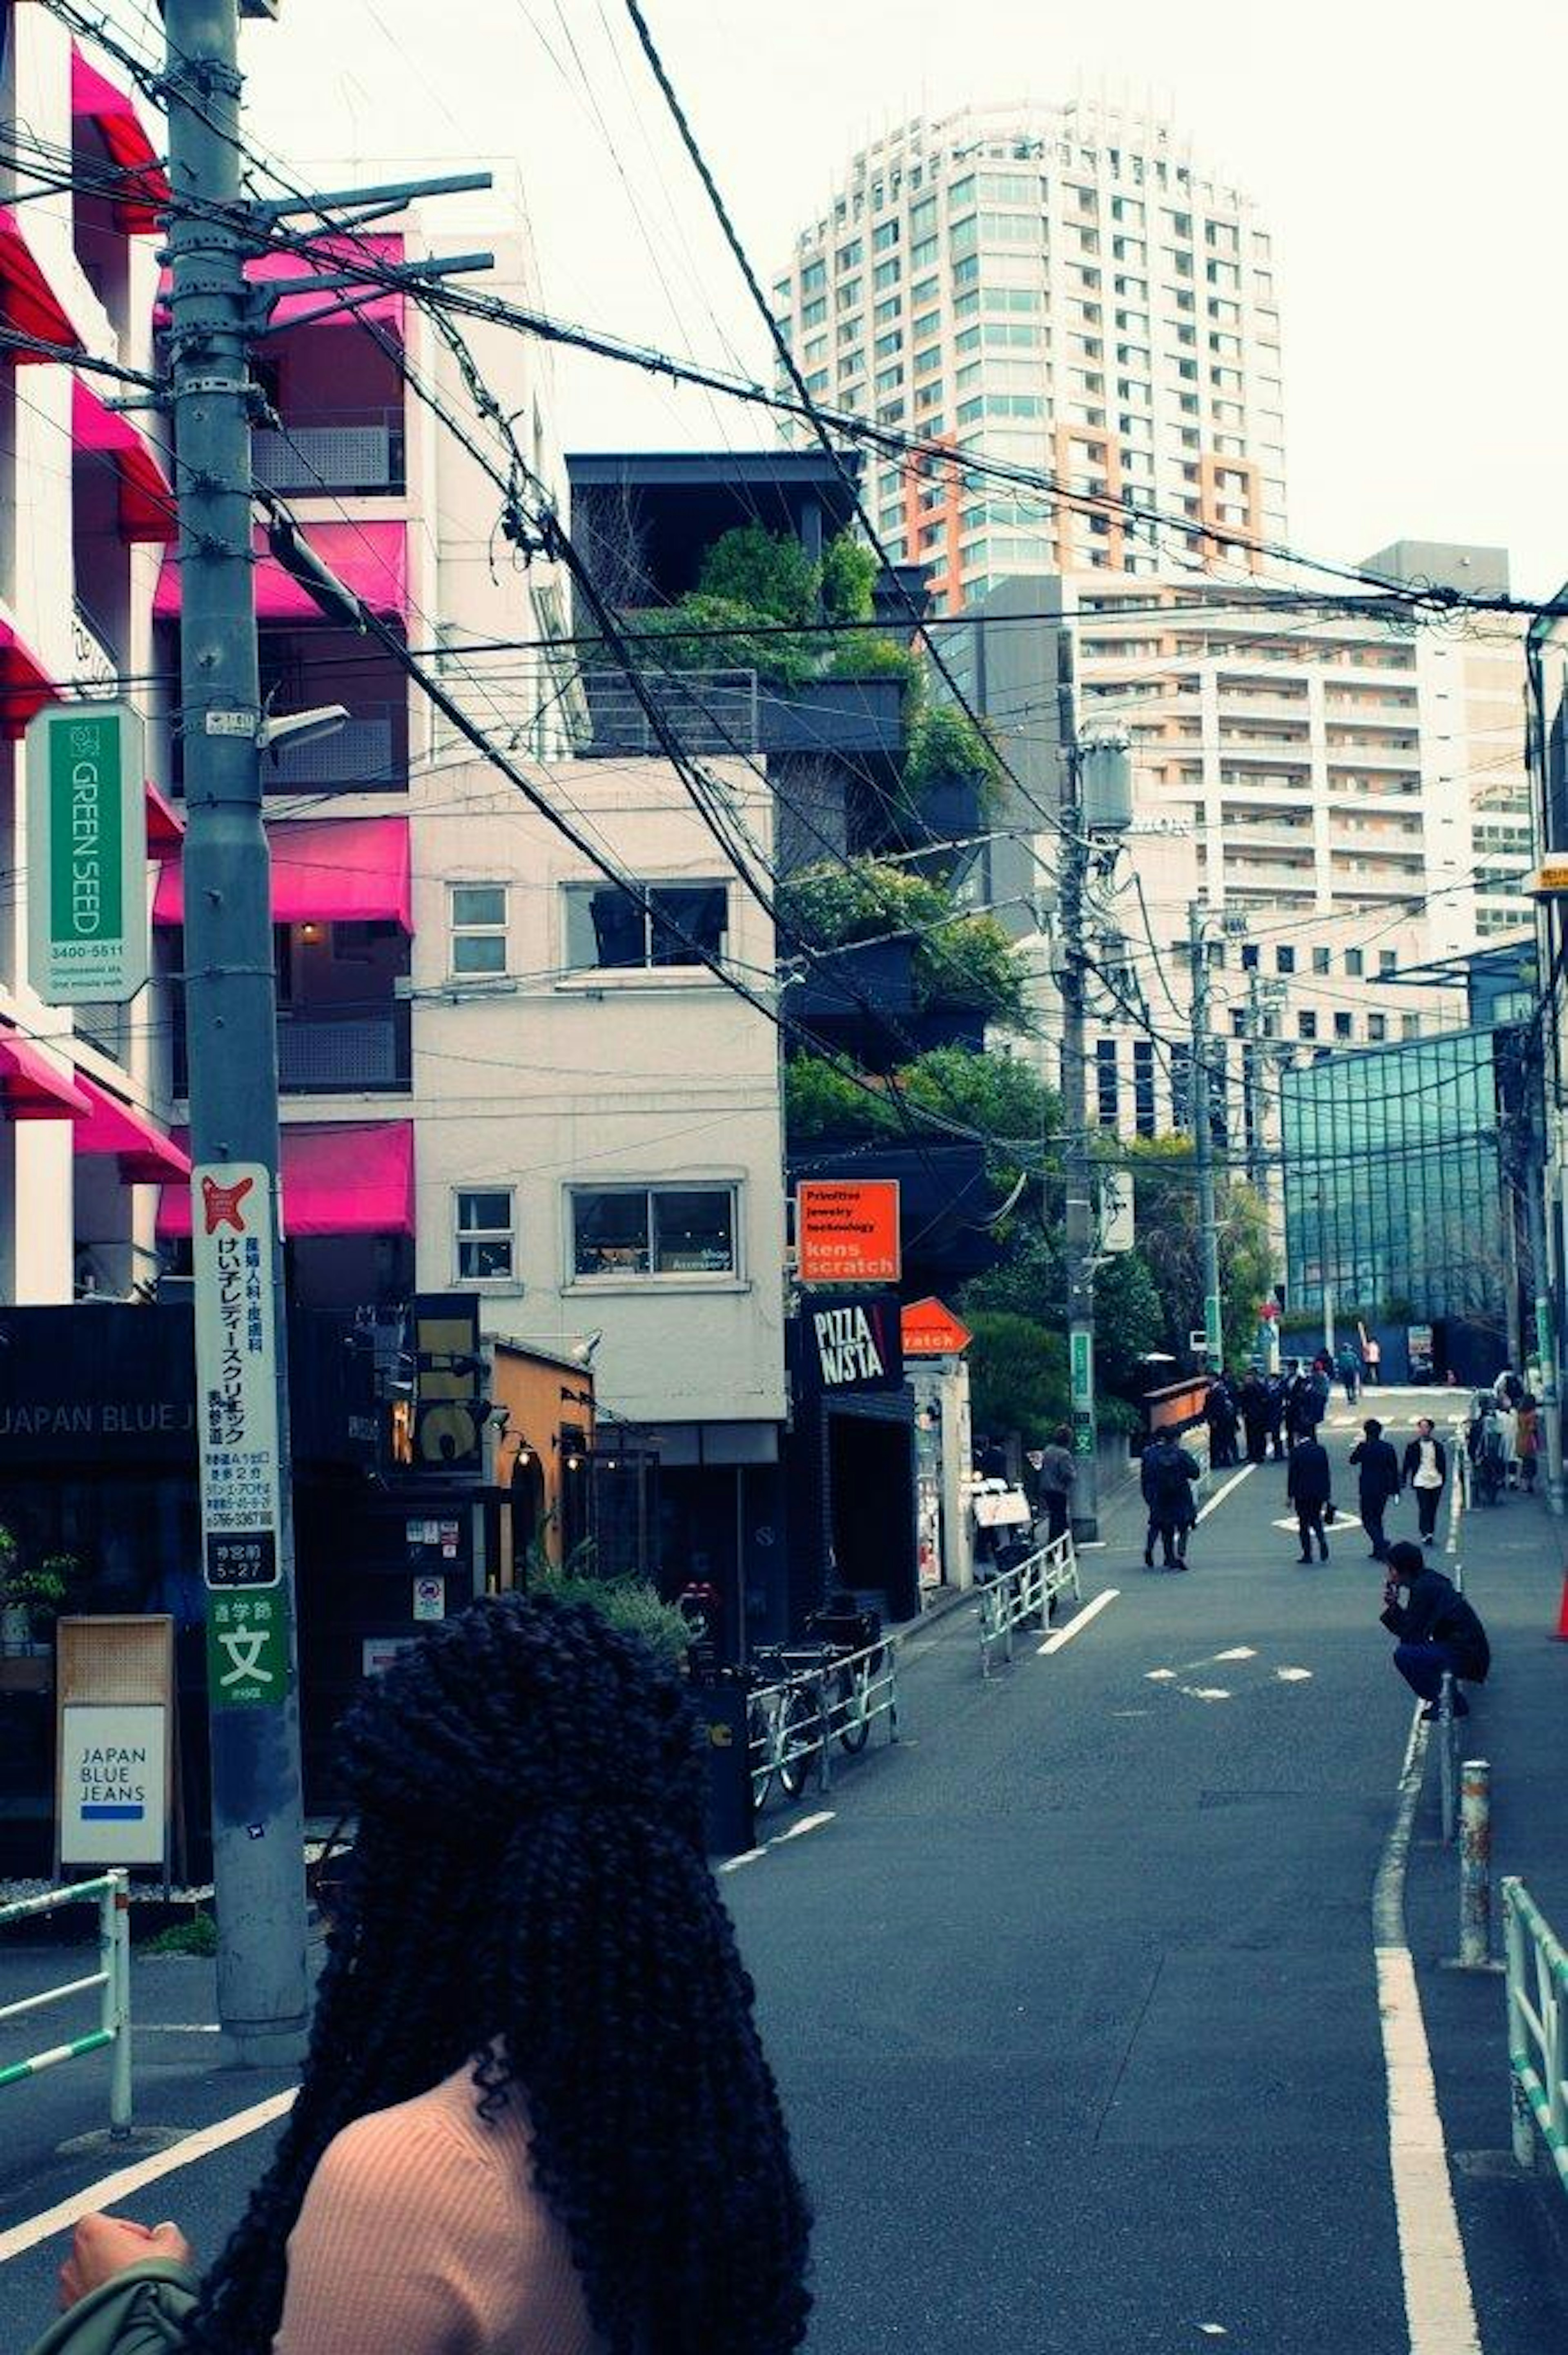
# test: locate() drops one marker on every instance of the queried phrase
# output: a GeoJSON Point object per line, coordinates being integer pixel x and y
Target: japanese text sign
{"type": "Point", "coordinates": [236, 1374]}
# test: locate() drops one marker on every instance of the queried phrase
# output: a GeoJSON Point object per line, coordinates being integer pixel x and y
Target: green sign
{"type": "Point", "coordinates": [1082, 1368]}
{"type": "Point", "coordinates": [1214, 1334]}
{"type": "Point", "coordinates": [247, 1650]}
{"type": "Point", "coordinates": [87, 853]}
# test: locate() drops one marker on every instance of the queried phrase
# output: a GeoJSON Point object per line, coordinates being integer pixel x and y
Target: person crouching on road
{"type": "Point", "coordinates": [1440, 1634]}
{"type": "Point", "coordinates": [1426, 1471]}
{"type": "Point", "coordinates": [1378, 1465]}
{"type": "Point", "coordinates": [1309, 1485]}
{"type": "Point", "coordinates": [1167, 1477]}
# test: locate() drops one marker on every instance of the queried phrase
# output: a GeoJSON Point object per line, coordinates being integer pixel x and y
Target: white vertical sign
{"type": "Point", "coordinates": [236, 1373]}
{"type": "Point", "coordinates": [113, 1783]}
{"type": "Point", "coordinates": [87, 853]}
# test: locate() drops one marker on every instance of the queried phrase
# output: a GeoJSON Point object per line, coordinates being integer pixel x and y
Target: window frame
{"type": "Point", "coordinates": [649, 972]}
{"type": "Point", "coordinates": [616, 1279]}
{"type": "Point", "coordinates": [476, 932]}
{"type": "Point", "coordinates": [472, 1232]}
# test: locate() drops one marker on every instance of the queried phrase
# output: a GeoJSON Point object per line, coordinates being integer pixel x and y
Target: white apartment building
{"type": "Point", "coordinates": [84, 506]}
{"type": "Point", "coordinates": [1067, 290]}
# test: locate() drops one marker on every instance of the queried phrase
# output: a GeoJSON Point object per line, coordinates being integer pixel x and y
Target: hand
{"type": "Point", "coordinates": [102, 2246]}
{"type": "Point", "coordinates": [1389, 1592]}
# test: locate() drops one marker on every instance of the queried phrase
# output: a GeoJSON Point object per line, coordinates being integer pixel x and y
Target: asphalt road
{"type": "Point", "coordinates": [1071, 2000]}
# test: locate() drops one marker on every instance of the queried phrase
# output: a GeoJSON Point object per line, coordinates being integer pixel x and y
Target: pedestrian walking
{"type": "Point", "coordinates": [1527, 1439]}
{"type": "Point", "coordinates": [1349, 1367]}
{"type": "Point", "coordinates": [1168, 1475]}
{"type": "Point", "coordinates": [1377, 1465]}
{"type": "Point", "coordinates": [1276, 1391]}
{"type": "Point", "coordinates": [1310, 1487]}
{"type": "Point", "coordinates": [1256, 1409]}
{"type": "Point", "coordinates": [1440, 1632]}
{"type": "Point", "coordinates": [1507, 1422]}
{"type": "Point", "coordinates": [1053, 1482]}
{"type": "Point", "coordinates": [535, 2111]}
{"type": "Point", "coordinates": [1425, 1469]}
{"type": "Point", "coordinates": [1372, 1360]}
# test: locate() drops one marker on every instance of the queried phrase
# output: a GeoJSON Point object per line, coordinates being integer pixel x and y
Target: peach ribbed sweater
{"type": "Point", "coordinates": [422, 2233]}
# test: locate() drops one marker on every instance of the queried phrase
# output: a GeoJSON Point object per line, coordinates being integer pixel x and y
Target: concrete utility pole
{"type": "Point", "coordinates": [1079, 1222]}
{"type": "Point", "coordinates": [1202, 1137]}
{"type": "Point", "coordinates": [231, 1021]}
{"type": "Point", "coordinates": [1533, 1180]}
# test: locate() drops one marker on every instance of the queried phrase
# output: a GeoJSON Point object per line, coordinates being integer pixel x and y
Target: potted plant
{"type": "Point", "coordinates": [28, 1598]}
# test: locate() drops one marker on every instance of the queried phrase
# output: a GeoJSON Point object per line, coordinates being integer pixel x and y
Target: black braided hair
{"type": "Point", "coordinates": [528, 1893]}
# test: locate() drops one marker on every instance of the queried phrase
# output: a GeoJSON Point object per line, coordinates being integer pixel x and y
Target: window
{"type": "Point", "coordinates": [478, 927]}
{"type": "Point", "coordinates": [1355, 963]}
{"type": "Point", "coordinates": [653, 1231]}
{"type": "Point", "coordinates": [1410, 1025]}
{"type": "Point", "coordinates": [482, 1225]}
{"type": "Point", "coordinates": [1106, 1092]}
{"type": "Point", "coordinates": [1387, 960]}
{"type": "Point", "coordinates": [814, 313]}
{"type": "Point", "coordinates": [1250, 955]}
{"type": "Point", "coordinates": [886, 272]}
{"type": "Point", "coordinates": [1143, 1086]}
{"type": "Point", "coordinates": [1306, 1024]}
{"type": "Point", "coordinates": [1377, 1027]}
{"type": "Point", "coordinates": [607, 929]}
{"type": "Point", "coordinates": [1341, 1026]}
{"type": "Point", "coordinates": [1323, 960]}
{"type": "Point", "coordinates": [813, 277]}
{"type": "Point", "coordinates": [1285, 960]}
{"type": "Point", "coordinates": [891, 307]}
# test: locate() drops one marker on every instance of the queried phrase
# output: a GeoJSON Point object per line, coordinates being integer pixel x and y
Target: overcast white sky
{"type": "Point", "coordinates": [1406, 153]}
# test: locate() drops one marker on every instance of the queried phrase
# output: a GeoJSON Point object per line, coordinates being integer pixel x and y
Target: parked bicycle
{"type": "Point", "coordinates": [783, 1723]}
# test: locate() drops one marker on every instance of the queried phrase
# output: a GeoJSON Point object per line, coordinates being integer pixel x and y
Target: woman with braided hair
{"type": "Point", "coordinates": [535, 2113]}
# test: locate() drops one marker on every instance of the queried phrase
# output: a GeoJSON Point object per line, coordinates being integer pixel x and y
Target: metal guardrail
{"type": "Point", "coordinates": [794, 1721]}
{"type": "Point", "coordinates": [1025, 1592]}
{"type": "Point", "coordinates": [1537, 2030]}
{"type": "Point", "coordinates": [111, 1978]}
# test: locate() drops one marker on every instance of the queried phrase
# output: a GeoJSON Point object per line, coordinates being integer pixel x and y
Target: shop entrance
{"type": "Point", "coordinates": [871, 1489]}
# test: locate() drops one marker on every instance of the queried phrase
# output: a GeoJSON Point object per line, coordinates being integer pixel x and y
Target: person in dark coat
{"type": "Point", "coordinates": [1378, 1466]}
{"type": "Point", "coordinates": [1310, 1487]}
{"type": "Point", "coordinates": [1168, 1474]}
{"type": "Point", "coordinates": [1425, 1469]}
{"type": "Point", "coordinates": [1275, 1391]}
{"type": "Point", "coordinates": [1254, 1414]}
{"type": "Point", "coordinates": [1439, 1632]}
{"type": "Point", "coordinates": [1219, 1414]}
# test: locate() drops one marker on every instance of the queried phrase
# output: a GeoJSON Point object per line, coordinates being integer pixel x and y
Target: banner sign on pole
{"type": "Point", "coordinates": [846, 1230]}
{"type": "Point", "coordinates": [236, 1384]}
{"type": "Point", "coordinates": [87, 853]}
{"type": "Point", "coordinates": [851, 1342]}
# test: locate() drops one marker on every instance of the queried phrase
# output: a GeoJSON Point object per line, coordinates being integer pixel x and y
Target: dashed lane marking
{"type": "Point", "coordinates": [1221, 1494]}
{"type": "Point", "coordinates": [755, 1855]}
{"type": "Point", "coordinates": [1080, 1619]}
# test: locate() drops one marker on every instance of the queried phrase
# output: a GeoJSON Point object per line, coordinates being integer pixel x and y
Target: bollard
{"type": "Point", "coordinates": [1475, 1865]}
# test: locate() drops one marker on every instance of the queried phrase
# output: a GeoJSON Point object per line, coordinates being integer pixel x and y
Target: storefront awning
{"type": "Point", "coordinates": [351, 1177]}
{"type": "Point", "coordinates": [24, 685]}
{"type": "Point", "coordinates": [146, 189]}
{"type": "Point", "coordinates": [370, 558]}
{"type": "Point", "coordinates": [147, 1157]}
{"type": "Point", "coordinates": [324, 870]}
{"type": "Point", "coordinates": [165, 826]}
{"type": "Point", "coordinates": [146, 501]}
{"type": "Point", "coordinates": [28, 303]}
{"type": "Point", "coordinates": [32, 1088]}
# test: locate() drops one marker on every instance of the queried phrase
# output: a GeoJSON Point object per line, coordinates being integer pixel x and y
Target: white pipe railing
{"type": "Point", "coordinates": [1025, 1592]}
{"type": "Point", "coordinates": [112, 1979]}
{"type": "Point", "coordinates": [1537, 2030]}
{"type": "Point", "coordinates": [823, 1696]}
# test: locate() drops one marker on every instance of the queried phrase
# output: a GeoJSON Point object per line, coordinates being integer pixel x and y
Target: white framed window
{"type": "Point", "coordinates": [606, 930]}
{"type": "Point", "coordinates": [478, 927]}
{"type": "Point", "coordinates": [484, 1234]}
{"type": "Point", "coordinates": [654, 1231]}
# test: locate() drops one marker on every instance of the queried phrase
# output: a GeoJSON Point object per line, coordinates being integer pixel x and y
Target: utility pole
{"type": "Point", "coordinates": [258, 1831]}
{"type": "Point", "coordinates": [1202, 1136]}
{"type": "Point", "coordinates": [1079, 1237]}
{"type": "Point", "coordinates": [1533, 1174]}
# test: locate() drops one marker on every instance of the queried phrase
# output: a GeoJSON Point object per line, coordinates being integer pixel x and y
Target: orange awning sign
{"type": "Point", "coordinates": [931, 1330]}
{"type": "Point", "coordinates": [846, 1229]}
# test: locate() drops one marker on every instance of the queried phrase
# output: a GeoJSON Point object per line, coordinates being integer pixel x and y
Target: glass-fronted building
{"type": "Point", "coordinates": [1392, 1186]}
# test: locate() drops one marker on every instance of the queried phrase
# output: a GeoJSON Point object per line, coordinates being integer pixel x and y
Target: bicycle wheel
{"type": "Point", "coordinates": [798, 1736]}
{"type": "Point", "coordinates": [852, 1696]}
{"type": "Point", "coordinates": [759, 1749]}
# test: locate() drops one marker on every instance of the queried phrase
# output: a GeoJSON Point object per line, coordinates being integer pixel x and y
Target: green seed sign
{"type": "Point", "coordinates": [87, 853]}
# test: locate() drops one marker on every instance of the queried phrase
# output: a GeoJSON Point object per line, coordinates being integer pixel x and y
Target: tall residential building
{"type": "Point", "coordinates": [1067, 291]}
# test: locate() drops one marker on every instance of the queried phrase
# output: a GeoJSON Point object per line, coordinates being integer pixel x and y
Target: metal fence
{"type": "Point", "coordinates": [1025, 1593]}
{"type": "Point", "coordinates": [111, 1980]}
{"type": "Point", "coordinates": [1537, 2030]}
{"type": "Point", "coordinates": [820, 1697]}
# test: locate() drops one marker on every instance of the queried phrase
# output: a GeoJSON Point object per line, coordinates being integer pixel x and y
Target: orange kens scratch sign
{"type": "Point", "coordinates": [846, 1230]}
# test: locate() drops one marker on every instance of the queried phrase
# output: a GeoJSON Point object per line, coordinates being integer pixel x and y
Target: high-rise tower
{"type": "Point", "coordinates": [1067, 291]}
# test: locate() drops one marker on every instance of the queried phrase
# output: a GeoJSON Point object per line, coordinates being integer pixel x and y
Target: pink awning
{"type": "Point", "coordinates": [351, 1178]}
{"type": "Point", "coordinates": [370, 558]}
{"type": "Point", "coordinates": [28, 303]}
{"type": "Point", "coordinates": [146, 501]}
{"type": "Point", "coordinates": [32, 1088]}
{"type": "Point", "coordinates": [332, 306]}
{"type": "Point", "coordinates": [165, 826]}
{"type": "Point", "coordinates": [147, 1156]}
{"type": "Point", "coordinates": [24, 685]}
{"type": "Point", "coordinates": [146, 189]}
{"type": "Point", "coordinates": [324, 870]}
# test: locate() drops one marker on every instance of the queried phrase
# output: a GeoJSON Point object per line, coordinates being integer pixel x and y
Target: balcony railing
{"type": "Point", "coordinates": [354, 449]}
{"type": "Point", "coordinates": [720, 711]}
{"type": "Point", "coordinates": [324, 1052]}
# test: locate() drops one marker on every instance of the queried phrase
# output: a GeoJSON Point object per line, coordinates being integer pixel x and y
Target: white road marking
{"type": "Point", "coordinates": [1293, 1676]}
{"type": "Point", "coordinates": [1076, 1625]}
{"type": "Point", "coordinates": [1221, 1494]}
{"type": "Point", "coordinates": [1160, 1676]}
{"type": "Point", "coordinates": [747, 1856]}
{"type": "Point", "coordinates": [1236, 1652]}
{"type": "Point", "coordinates": [1206, 1692]}
{"type": "Point", "coordinates": [1438, 2302]}
{"type": "Point", "coordinates": [112, 2188]}
{"type": "Point", "coordinates": [806, 1824]}
{"type": "Point", "coordinates": [179, 2028]}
